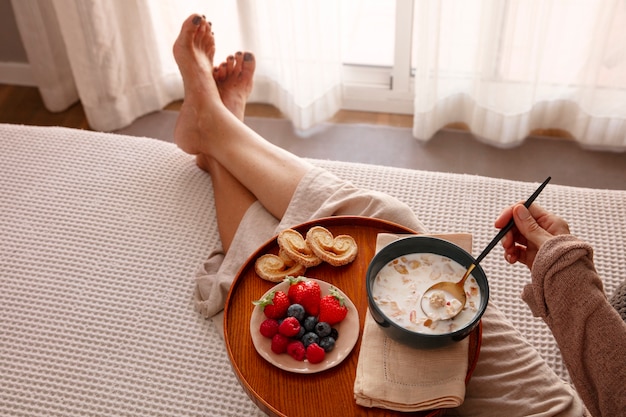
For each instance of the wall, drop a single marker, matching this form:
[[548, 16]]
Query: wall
[[14, 68]]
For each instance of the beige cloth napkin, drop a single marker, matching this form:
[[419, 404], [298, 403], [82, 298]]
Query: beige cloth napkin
[[395, 376]]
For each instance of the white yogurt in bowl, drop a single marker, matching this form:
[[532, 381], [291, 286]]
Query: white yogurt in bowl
[[400, 285], [400, 273]]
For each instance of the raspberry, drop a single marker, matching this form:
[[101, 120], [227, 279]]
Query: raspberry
[[279, 343], [314, 353], [289, 327], [296, 350], [269, 328]]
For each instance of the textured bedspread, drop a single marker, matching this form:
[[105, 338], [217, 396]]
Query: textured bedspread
[[100, 236]]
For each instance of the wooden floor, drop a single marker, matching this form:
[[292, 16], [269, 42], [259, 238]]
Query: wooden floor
[[568, 162], [23, 105]]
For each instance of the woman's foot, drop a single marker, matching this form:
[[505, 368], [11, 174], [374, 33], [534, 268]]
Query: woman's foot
[[234, 79], [202, 107]]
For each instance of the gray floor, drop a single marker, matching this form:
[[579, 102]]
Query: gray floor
[[448, 151]]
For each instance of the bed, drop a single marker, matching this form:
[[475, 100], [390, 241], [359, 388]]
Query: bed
[[100, 237]]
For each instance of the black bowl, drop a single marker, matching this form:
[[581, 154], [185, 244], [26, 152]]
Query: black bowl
[[424, 244]]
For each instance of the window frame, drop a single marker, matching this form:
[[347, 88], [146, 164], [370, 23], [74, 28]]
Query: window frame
[[380, 88]]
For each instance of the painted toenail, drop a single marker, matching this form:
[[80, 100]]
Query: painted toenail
[[196, 20], [248, 56]]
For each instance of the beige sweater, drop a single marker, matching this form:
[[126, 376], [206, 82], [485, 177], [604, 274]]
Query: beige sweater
[[567, 293]]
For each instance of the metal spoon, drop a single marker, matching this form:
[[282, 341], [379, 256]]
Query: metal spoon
[[457, 289]]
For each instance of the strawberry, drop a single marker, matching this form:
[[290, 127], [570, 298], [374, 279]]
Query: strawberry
[[332, 308], [269, 328], [306, 293], [274, 305], [314, 353]]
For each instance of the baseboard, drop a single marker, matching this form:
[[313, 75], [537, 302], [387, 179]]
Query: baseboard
[[16, 73]]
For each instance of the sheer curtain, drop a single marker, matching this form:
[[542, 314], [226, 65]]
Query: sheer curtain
[[115, 56], [298, 50], [112, 55], [505, 68], [502, 67]]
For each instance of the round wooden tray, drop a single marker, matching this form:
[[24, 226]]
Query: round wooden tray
[[282, 393]]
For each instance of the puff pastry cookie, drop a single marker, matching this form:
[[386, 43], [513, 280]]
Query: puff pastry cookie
[[294, 246], [336, 250], [275, 268]]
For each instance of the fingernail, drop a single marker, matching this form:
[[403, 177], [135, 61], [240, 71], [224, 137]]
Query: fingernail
[[248, 56], [522, 212], [196, 20]]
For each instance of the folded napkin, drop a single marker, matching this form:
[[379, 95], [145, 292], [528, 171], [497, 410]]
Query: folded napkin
[[395, 376]]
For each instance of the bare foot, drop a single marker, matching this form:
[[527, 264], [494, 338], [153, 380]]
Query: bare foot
[[193, 51], [234, 79]]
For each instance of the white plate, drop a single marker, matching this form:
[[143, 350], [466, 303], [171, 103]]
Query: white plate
[[348, 330]]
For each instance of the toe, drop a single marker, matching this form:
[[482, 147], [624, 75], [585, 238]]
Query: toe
[[190, 25], [230, 64], [222, 72], [238, 62], [248, 65], [204, 40], [188, 29]]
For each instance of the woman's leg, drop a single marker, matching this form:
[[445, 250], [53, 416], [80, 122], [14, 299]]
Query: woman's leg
[[234, 79], [207, 127]]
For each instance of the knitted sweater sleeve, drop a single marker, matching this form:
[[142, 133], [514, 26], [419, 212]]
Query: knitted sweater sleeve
[[567, 293]]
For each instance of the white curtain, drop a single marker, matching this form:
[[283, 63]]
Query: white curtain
[[506, 68], [502, 67], [116, 55], [298, 50]]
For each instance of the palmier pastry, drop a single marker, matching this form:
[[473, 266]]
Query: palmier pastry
[[275, 268], [337, 251], [293, 245]]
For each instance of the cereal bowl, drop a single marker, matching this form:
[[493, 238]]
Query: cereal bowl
[[399, 275]]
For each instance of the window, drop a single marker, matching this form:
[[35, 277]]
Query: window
[[376, 49]]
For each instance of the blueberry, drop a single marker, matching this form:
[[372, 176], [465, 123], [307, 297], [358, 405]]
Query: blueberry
[[309, 323], [309, 338], [322, 329], [297, 311], [301, 333], [334, 334], [327, 343]]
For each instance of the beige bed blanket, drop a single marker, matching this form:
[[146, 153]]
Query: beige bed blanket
[[100, 236]]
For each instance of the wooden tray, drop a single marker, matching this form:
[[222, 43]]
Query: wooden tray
[[282, 393]]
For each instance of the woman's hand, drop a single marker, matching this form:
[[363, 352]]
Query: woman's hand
[[533, 227]]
